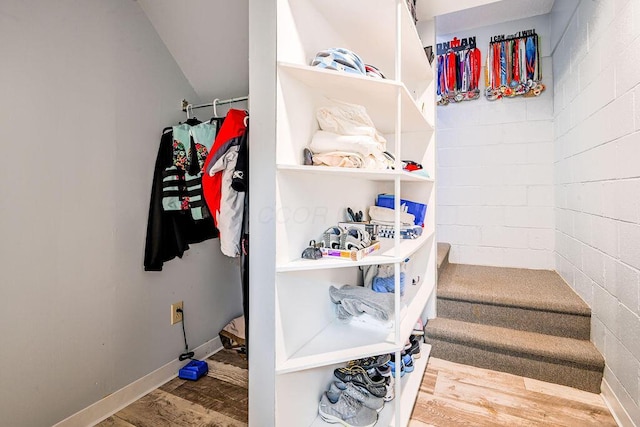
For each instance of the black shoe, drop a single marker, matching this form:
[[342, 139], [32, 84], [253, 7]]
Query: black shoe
[[414, 351], [371, 362], [358, 376]]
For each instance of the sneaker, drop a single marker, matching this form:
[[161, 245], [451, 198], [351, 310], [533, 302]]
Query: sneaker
[[371, 362], [414, 351], [384, 370], [392, 365], [407, 361], [358, 393], [347, 411], [391, 388], [331, 237], [418, 329], [358, 375], [355, 238]]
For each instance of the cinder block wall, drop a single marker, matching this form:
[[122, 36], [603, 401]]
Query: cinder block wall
[[597, 168], [495, 169]]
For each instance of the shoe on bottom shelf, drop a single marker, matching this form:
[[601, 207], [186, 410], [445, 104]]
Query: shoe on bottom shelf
[[359, 393], [358, 375], [392, 365], [346, 410], [407, 361], [416, 343]]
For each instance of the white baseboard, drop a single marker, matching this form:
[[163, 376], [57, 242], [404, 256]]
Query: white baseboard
[[114, 402], [617, 410]]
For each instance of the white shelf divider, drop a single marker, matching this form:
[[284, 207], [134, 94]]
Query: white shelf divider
[[386, 255], [370, 174]]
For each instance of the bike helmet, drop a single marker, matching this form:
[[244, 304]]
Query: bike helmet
[[339, 59], [373, 72]]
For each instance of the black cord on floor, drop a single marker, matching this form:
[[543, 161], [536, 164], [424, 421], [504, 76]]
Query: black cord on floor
[[187, 354]]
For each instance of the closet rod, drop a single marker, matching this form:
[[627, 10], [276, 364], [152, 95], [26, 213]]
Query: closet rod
[[185, 103]]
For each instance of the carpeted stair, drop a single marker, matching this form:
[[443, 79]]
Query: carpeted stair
[[525, 322]]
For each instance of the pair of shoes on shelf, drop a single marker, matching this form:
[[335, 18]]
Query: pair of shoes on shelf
[[406, 364], [352, 238], [358, 393], [374, 383], [415, 343], [370, 362], [343, 409]]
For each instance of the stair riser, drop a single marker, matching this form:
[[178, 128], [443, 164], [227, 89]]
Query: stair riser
[[558, 372], [543, 322], [443, 264]]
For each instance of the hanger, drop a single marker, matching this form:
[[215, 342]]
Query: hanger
[[191, 121]]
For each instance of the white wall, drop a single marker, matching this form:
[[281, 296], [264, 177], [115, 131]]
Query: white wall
[[495, 169], [87, 87], [597, 178]]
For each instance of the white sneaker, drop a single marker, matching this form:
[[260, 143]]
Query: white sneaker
[[347, 411]]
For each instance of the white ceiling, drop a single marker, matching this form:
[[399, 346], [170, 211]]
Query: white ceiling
[[482, 13], [209, 40]]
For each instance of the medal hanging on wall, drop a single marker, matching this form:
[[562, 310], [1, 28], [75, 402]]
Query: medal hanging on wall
[[513, 66], [458, 66]]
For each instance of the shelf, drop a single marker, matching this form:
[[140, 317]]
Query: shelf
[[360, 22], [370, 174], [338, 342], [377, 94], [386, 255], [410, 385], [341, 342]]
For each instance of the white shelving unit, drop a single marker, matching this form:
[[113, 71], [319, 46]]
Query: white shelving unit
[[308, 341]]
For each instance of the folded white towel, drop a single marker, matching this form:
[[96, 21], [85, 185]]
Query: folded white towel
[[323, 142], [386, 215]]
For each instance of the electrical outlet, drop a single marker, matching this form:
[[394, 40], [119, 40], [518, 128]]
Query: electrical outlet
[[176, 316]]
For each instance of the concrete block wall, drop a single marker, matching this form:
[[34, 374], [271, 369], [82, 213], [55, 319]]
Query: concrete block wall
[[596, 67], [495, 169]]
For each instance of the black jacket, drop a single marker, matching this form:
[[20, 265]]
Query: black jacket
[[170, 233]]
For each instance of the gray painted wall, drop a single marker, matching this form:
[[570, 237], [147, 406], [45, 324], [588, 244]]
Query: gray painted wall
[[597, 181], [87, 86]]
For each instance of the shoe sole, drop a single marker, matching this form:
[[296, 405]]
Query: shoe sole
[[332, 419]]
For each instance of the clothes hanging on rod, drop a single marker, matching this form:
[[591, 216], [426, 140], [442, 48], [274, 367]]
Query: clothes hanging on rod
[[225, 203], [178, 215]]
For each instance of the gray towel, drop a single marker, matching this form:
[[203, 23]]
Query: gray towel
[[355, 300]]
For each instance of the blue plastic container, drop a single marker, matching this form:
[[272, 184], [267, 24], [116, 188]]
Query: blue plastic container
[[193, 370], [418, 210]]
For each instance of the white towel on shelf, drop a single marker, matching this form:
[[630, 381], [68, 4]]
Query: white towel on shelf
[[369, 322], [381, 215], [348, 119], [323, 142]]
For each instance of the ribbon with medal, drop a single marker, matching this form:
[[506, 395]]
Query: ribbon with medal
[[458, 67], [513, 66]]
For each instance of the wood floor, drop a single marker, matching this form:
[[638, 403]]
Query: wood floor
[[450, 395]]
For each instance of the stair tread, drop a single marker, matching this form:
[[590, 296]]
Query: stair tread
[[532, 289], [581, 352]]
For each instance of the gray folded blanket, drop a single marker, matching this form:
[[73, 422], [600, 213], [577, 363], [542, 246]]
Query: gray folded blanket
[[355, 300]]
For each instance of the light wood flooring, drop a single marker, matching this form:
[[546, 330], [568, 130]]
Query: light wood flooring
[[450, 395]]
